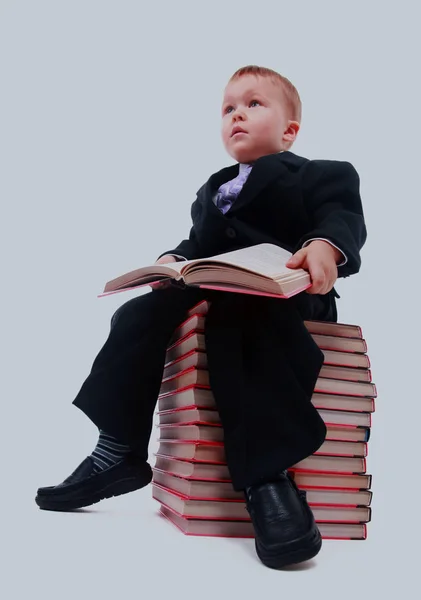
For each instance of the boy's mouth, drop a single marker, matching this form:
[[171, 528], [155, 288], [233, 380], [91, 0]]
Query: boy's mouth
[[237, 130]]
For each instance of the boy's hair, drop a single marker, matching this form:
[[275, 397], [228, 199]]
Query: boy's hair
[[291, 96]]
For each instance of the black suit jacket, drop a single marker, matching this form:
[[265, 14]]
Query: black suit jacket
[[263, 364], [286, 200]]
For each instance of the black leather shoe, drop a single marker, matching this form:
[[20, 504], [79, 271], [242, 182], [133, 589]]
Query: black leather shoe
[[285, 530], [85, 487]]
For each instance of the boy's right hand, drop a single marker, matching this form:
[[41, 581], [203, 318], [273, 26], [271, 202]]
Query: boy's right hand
[[159, 285], [167, 258]]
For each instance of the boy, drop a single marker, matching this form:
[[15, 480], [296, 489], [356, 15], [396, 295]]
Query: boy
[[263, 363]]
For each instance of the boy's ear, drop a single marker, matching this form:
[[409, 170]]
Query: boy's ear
[[290, 134]]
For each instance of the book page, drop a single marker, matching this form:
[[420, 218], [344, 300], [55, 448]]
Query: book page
[[263, 259], [144, 275], [176, 266]]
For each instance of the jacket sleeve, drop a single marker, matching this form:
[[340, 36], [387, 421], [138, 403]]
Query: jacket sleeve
[[188, 248], [332, 197]]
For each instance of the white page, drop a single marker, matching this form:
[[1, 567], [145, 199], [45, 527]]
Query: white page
[[262, 259]]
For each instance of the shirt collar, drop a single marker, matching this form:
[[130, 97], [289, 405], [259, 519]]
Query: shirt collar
[[246, 166]]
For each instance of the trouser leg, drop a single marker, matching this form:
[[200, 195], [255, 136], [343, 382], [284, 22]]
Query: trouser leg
[[263, 368], [121, 391]]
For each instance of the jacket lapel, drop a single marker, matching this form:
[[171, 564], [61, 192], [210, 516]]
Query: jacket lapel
[[265, 170]]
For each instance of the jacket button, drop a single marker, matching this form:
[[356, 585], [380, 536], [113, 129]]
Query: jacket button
[[231, 233]]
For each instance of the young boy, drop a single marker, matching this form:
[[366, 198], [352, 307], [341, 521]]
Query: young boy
[[263, 363]]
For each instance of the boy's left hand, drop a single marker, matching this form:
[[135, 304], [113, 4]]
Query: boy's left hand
[[320, 259]]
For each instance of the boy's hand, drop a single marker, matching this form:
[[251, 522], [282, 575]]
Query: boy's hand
[[159, 285], [167, 258], [320, 259]]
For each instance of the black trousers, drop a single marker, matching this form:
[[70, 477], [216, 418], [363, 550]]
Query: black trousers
[[120, 393]]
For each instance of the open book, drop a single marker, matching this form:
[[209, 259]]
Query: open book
[[257, 270]]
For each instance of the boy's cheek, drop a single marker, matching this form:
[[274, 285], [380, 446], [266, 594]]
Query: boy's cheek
[[225, 134]]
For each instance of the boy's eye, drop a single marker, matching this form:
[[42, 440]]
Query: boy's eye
[[228, 109]]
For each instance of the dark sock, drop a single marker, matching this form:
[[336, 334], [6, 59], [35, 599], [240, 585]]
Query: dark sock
[[108, 451]]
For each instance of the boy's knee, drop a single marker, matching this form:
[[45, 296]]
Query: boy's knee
[[116, 316], [126, 309]]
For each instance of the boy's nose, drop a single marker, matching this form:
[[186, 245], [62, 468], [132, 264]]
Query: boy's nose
[[238, 115]]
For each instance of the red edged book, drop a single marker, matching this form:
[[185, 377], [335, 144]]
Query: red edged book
[[195, 415], [213, 452], [346, 441], [195, 321], [199, 360], [209, 434], [216, 490], [352, 406], [244, 529], [258, 270], [200, 378], [307, 479], [327, 335], [196, 341], [236, 509], [323, 327]]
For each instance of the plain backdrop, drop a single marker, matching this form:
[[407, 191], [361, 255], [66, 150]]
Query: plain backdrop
[[110, 116]]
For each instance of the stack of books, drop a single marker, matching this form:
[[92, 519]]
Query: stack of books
[[191, 478]]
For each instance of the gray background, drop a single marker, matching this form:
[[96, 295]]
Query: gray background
[[109, 125]]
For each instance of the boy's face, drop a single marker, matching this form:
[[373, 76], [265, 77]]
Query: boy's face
[[254, 104]]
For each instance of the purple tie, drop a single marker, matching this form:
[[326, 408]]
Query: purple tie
[[229, 191]]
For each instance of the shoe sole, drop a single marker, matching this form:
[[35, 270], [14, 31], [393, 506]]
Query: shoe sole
[[116, 488], [311, 545]]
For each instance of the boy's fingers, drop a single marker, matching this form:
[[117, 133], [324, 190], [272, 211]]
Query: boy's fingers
[[159, 285], [330, 280], [318, 280], [297, 259]]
